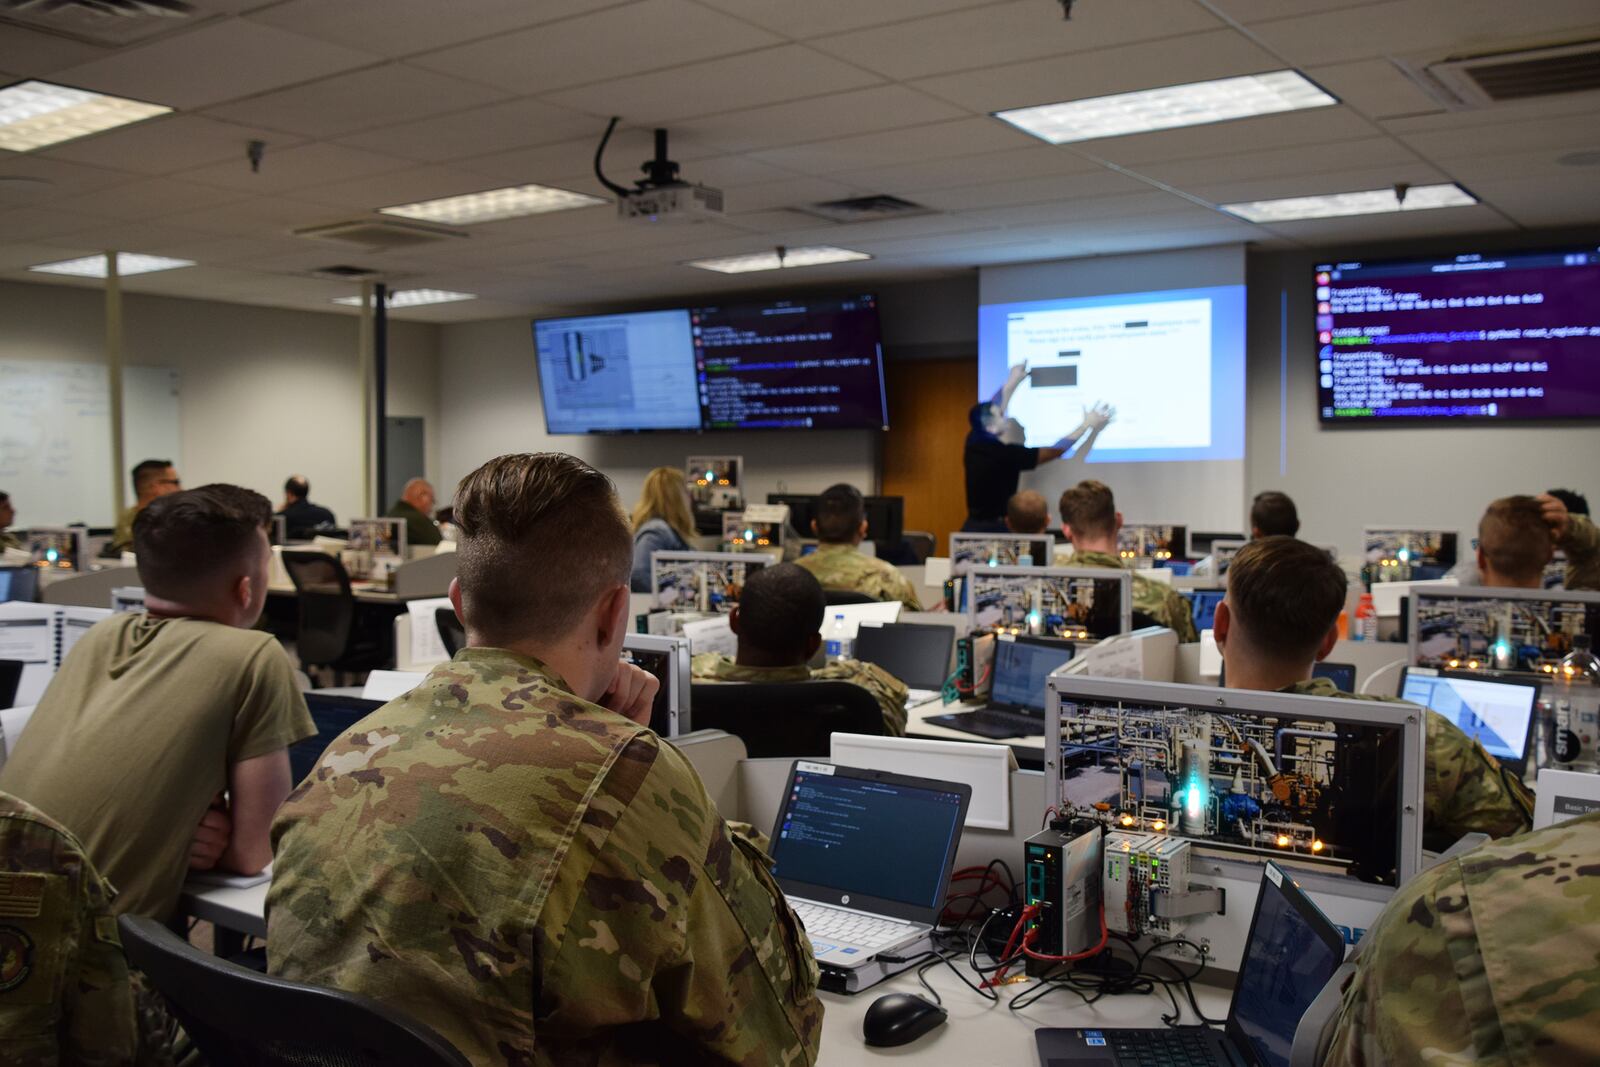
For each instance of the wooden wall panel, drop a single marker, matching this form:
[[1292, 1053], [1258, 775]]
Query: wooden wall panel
[[921, 454]]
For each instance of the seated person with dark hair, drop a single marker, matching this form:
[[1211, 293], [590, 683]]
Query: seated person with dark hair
[[1575, 534], [841, 525], [8, 515], [162, 743], [1027, 512], [152, 479], [1281, 616], [302, 520], [1273, 514], [1090, 519], [778, 621]]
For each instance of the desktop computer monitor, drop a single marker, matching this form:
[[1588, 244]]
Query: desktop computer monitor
[[885, 516], [19, 583]]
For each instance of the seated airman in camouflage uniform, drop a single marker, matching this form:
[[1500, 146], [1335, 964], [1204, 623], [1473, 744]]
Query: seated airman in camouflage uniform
[[1518, 536], [508, 853], [778, 619], [840, 526], [1487, 959], [1091, 520], [1281, 616]]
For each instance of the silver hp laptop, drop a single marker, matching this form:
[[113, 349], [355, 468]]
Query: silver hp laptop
[[864, 858], [1291, 953]]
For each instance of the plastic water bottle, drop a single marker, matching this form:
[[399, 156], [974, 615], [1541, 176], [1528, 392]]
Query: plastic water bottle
[[839, 644], [1366, 628]]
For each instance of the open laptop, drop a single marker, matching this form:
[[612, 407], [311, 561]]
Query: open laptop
[[864, 858], [1290, 954], [1495, 712], [1016, 696], [917, 654]]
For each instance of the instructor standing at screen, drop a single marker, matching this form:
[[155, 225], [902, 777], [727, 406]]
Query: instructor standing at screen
[[995, 466]]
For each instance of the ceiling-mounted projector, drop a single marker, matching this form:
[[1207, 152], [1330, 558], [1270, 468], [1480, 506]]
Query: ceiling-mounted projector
[[659, 196]]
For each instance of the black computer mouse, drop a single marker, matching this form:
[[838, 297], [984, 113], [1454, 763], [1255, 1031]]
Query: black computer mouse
[[900, 1018]]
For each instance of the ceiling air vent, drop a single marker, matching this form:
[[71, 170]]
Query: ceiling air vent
[[106, 22], [1505, 77], [344, 273], [865, 209], [380, 234]]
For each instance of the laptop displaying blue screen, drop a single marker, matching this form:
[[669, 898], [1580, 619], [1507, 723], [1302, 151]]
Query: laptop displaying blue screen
[[1020, 669], [1205, 603], [1494, 712]]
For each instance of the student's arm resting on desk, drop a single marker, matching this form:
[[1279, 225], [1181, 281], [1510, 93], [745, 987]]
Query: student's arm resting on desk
[[256, 788], [660, 913]]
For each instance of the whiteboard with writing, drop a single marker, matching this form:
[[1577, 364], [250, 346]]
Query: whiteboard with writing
[[55, 436]]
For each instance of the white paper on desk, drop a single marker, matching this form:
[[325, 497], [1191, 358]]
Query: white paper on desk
[[1115, 657], [387, 685], [711, 635], [1210, 655], [28, 632], [856, 614], [427, 647], [935, 571], [214, 879], [75, 622]]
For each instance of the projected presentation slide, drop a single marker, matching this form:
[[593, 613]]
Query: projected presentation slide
[[1170, 362], [618, 373]]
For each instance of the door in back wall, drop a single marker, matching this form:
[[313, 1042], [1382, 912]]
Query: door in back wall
[[928, 404]]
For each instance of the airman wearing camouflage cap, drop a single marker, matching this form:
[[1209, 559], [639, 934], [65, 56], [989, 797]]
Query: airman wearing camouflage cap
[[508, 854], [1090, 518]]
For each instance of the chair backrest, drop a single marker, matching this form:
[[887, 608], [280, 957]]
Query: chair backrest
[[785, 718], [835, 597], [920, 544], [451, 631], [238, 1017], [326, 606]]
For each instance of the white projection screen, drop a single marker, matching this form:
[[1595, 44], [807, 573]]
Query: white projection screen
[[1161, 337]]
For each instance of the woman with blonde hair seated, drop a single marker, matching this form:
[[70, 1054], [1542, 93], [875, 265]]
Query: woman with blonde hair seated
[[662, 521]]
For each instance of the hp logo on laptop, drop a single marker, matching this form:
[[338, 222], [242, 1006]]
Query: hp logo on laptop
[[845, 899]]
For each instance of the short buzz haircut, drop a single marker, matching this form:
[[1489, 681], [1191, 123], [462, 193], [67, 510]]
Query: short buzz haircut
[[840, 510], [148, 471], [1286, 595], [1027, 512], [297, 487], [1273, 514], [541, 538], [779, 609], [188, 541], [1515, 540], [1089, 509]]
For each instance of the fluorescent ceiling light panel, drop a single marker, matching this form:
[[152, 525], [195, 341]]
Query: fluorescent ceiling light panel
[[792, 257], [411, 298], [35, 114], [127, 263], [509, 203], [1169, 107], [1335, 205]]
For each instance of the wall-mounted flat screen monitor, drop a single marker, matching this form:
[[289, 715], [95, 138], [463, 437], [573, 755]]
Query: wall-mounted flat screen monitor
[[1476, 336], [812, 363]]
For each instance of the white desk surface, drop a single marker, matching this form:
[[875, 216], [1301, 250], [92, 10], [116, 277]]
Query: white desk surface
[[978, 1033], [917, 726]]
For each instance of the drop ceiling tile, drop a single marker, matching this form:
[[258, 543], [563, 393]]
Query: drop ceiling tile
[[16, 256], [1440, 27], [1374, 87], [148, 198], [1510, 138], [790, 192], [478, 131], [263, 216], [361, 100], [1277, 162], [1051, 189], [883, 107], [1538, 108], [1324, 125], [216, 62], [41, 224], [135, 236], [28, 53], [1125, 68], [1010, 33], [940, 140], [168, 144], [1545, 163], [1031, 162], [1547, 200], [403, 27], [817, 17], [1257, 10], [613, 43], [318, 163], [64, 179], [770, 76], [1393, 227], [398, 187], [1131, 205], [628, 148], [1353, 179]]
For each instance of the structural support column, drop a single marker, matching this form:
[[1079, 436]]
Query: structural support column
[[114, 382], [369, 437], [380, 388]]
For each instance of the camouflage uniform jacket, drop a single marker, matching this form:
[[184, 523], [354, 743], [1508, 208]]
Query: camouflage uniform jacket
[[1582, 546], [65, 997], [1160, 601], [886, 689], [843, 567], [540, 880], [1487, 960], [1466, 789]]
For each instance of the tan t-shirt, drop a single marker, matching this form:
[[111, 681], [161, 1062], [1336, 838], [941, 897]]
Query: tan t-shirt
[[134, 737]]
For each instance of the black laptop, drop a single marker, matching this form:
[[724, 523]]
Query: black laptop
[[1017, 695], [1290, 955], [917, 654]]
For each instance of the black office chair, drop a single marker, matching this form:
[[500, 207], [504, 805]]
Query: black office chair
[[451, 631], [919, 544], [240, 1018], [785, 718], [332, 715], [10, 680], [836, 597], [331, 634]]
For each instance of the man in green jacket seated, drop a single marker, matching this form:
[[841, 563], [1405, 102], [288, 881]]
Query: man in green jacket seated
[[416, 507]]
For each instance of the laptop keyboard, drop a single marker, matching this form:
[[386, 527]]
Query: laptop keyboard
[[990, 722], [1162, 1048], [849, 927]]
